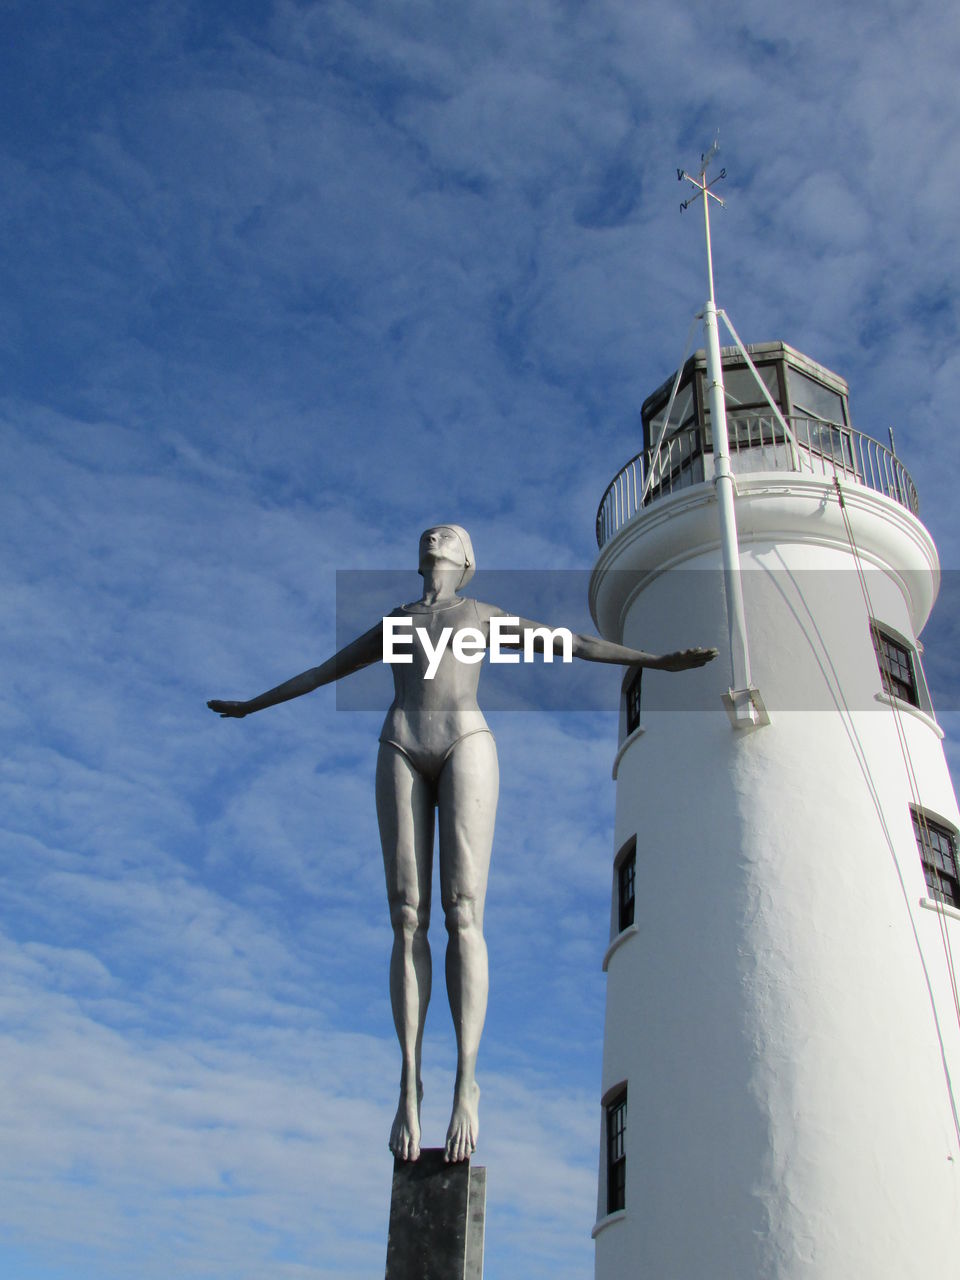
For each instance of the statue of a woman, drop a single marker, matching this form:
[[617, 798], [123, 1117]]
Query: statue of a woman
[[436, 753]]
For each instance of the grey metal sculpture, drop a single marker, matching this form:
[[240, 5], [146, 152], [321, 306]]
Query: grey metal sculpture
[[437, 753]]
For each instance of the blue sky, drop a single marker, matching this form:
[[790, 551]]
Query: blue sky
[[280, 285]]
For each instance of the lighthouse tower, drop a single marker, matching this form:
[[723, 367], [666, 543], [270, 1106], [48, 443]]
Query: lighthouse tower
[[781, 1067]]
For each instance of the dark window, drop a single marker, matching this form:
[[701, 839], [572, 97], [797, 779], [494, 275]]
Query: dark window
[[895, 661], [938, 853], [617, 1152], [632, 699], [626, 880]]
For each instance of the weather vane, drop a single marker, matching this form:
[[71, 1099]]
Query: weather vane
[[700, 182], [703, 189]]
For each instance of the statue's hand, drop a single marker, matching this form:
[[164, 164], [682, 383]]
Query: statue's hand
[[685, 659], [228, 710]]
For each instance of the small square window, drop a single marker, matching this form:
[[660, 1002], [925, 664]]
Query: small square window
[[632, 701], [896, 662], [626, 886], [617, 1152], [938, 853]]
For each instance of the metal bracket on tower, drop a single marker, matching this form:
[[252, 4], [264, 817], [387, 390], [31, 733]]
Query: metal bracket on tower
[[745, 708]]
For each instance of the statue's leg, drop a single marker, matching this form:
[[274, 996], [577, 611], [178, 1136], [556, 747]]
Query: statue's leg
[[405, 811], [467, 798]]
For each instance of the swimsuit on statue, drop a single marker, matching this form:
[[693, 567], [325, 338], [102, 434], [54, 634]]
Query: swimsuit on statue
[[428, 718]]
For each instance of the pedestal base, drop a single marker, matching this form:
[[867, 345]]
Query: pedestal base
[[436, 1219]]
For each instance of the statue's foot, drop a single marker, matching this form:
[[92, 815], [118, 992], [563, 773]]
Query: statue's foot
[[405, 1134], [464, 1124]]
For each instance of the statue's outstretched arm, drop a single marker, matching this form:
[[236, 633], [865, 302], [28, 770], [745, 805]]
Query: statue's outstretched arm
[[359, 653], [594, 649]]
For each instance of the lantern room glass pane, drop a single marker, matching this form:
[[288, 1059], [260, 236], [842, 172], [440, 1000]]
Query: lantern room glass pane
[[811, 399], [681, 415], [741, 388]]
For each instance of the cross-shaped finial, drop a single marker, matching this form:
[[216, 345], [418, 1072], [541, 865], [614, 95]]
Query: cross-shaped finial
[[700, 182]]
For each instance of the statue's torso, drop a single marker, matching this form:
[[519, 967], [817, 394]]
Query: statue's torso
[[429, 717]]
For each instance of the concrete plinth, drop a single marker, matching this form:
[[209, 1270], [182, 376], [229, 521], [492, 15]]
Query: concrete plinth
[[436, 1220]]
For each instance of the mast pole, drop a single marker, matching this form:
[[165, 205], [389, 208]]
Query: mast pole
[[743, 701]]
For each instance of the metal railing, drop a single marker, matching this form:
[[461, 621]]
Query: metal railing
[[757, 443]]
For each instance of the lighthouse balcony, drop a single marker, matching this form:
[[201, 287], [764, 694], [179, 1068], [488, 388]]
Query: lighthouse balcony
[[785, 412], [758, 443]]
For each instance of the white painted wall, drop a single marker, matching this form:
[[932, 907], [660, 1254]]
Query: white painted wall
[[782, 1013]]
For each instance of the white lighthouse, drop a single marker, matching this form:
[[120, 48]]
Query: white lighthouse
[[781, 1065]]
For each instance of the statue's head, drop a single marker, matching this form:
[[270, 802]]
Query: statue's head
[[448, 545]]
